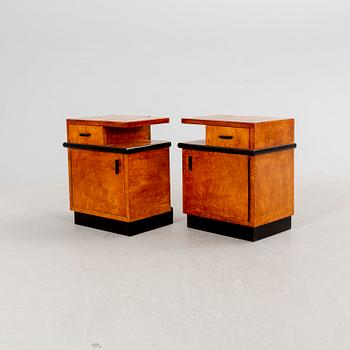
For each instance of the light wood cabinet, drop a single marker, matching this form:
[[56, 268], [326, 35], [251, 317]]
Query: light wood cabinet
[[240, 181], [119, 178]]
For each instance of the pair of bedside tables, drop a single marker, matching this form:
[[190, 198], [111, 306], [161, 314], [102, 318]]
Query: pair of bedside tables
[[238, 182]]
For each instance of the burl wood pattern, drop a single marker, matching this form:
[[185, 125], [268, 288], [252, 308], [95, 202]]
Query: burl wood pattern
[[119, 121], [217, 185], [263, 132], [141, 188], [95, 187], [272, 187], [99, 135], [215, 136], [231, 120], [271, 134], [247, 190], [148, 184]]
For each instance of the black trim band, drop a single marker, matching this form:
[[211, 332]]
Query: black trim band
[[239, 231], [111, 149], [122, 227], [203, 147]]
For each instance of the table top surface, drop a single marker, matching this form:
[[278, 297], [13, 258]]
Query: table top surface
[[121, 121], [231, 120]]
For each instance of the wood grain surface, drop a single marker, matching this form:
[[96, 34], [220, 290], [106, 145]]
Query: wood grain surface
[[120, 121], [262, 132], [271, 134], [230, 120], [86, 134], [246, 190], [115, 135], [140, 189], [148, 184], [227, 137], [96, 188], [272, 186], [141, 186], [217, 185]]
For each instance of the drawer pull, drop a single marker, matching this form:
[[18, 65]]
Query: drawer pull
[[225, 137], [190, 163], [85, 134], [116, 167]]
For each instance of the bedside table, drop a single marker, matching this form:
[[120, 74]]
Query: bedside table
[[239, 182], [118, 177]]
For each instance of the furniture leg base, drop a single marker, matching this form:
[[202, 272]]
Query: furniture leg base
[[239, 231], [122, 227]]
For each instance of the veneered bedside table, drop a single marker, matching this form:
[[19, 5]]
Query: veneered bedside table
[[118, 177], [239, 182]]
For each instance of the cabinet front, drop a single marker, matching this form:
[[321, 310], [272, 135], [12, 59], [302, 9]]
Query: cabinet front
[[216, 185], [97, 183]]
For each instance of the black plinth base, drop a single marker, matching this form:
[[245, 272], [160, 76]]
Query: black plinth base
[[122, 227], [238, 231]]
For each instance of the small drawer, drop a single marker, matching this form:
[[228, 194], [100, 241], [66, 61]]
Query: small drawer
[[227, 137], [86, 134]]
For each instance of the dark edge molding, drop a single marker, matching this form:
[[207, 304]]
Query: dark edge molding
[[247, 152], [121, 227], [112, 149], [247, 233]]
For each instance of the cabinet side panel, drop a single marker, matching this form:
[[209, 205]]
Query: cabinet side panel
[[148, 183], [273, 134], [273, 186]]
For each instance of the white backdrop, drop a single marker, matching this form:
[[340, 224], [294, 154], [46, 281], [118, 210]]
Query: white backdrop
[[63, 286], [176, 58]]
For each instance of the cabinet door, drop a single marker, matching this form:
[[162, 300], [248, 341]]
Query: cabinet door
[[97, 183], [215, 185]]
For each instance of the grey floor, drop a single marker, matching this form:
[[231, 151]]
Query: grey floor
[[67, 287]]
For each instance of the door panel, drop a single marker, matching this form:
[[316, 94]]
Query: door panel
[[216, 186], [97, 182]]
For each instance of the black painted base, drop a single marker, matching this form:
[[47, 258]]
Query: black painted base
[[122, 227], [238, 231]]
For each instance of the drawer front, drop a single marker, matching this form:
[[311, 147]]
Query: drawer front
[[86, 134], [227, 137]]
